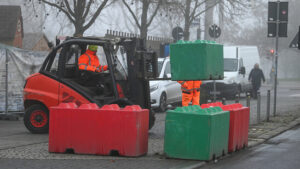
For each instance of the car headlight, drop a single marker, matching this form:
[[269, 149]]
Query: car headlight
[[153, 88]]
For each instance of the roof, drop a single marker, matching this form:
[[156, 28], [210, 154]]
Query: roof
[[8, 23], [31, 39]]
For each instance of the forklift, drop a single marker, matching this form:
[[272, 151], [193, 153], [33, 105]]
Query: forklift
[[130, 66]]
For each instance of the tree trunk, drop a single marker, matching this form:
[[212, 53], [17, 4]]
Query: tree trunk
[[78, 31], [209, 15], [221, 20], [186, 31], [144, 26]]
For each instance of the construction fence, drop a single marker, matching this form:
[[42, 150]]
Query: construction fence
[[153, 43], [15, 66]]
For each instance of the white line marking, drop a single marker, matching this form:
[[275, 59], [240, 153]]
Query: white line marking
[[295, 95]]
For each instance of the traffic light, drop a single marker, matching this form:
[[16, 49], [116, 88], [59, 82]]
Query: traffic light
[[272, 19], [272, 51]]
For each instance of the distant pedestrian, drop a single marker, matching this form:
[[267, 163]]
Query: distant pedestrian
[[256, 75]]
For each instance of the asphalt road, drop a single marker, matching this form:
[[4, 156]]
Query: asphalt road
[[281, 152], [21, 149]]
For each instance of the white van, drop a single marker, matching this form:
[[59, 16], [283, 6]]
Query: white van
[[238, 62]]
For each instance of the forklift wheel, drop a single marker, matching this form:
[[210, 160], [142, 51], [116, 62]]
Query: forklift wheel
[[151, 118], [36, 119]]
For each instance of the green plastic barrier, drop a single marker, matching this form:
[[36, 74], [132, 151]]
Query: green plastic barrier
[[195, 133], [198, 60]]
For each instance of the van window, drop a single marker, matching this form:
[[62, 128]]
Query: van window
[[167, 69], [159, 66], [230, 65]]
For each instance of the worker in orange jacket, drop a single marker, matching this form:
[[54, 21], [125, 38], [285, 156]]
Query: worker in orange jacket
[[190, 92], [89, 60], [89, 68]]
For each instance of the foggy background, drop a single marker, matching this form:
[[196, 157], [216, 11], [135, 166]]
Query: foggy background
[[247, 26]]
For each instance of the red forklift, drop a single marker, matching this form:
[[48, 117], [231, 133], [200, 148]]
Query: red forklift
[[130, 66]]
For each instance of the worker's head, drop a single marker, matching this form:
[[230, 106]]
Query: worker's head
[[256, 66], [93, 48]]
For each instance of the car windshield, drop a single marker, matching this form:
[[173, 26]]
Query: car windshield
[[230, 65], [159, 66]]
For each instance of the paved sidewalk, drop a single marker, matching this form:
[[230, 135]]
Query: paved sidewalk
[[263, 131]]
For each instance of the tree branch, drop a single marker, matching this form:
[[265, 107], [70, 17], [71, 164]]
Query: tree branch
[[132, 14], [95, 15], [154, 14], [68, 7], [87, 9], [60, 8], [198, 14]]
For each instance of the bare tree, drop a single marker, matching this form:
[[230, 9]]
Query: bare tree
[[81, 13], [191, 10], [147, 15]]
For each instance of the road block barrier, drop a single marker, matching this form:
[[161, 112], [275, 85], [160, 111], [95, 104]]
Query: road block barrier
[[195, 133], [239, 124], [208, 105], [197, 60], [89, 129]]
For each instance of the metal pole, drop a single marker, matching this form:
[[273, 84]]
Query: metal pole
[[248, 100], [276, 58], [6, 82], [215, 89], [258, 106], [224, 101], [268, 105]]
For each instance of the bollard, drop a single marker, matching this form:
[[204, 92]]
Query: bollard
[[248, 99], [268, 105], [258, 106], [224, 101], [237, 98]]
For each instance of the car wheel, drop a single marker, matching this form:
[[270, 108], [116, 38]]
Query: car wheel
[[163, 102], [36, 119]]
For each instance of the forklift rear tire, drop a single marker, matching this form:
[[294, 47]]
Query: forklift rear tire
[[36, 119]]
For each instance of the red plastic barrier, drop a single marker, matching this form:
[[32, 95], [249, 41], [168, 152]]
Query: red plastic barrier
[[208, 105], [239, 124], [90, 130]]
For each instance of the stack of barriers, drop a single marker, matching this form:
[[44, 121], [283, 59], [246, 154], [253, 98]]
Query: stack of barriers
[[239, 124], [195, 133]]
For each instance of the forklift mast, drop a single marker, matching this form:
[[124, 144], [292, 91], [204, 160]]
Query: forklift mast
[[142, 66]]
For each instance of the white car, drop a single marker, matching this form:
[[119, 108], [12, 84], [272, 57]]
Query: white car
[[164, 92]]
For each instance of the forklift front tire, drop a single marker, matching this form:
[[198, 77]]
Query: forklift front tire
[[36, 119]]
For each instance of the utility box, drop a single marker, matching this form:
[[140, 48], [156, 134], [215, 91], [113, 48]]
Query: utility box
[[198, 60], [195, 133]]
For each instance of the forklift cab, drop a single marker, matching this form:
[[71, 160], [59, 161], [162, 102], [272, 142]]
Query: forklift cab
[[126, 82]]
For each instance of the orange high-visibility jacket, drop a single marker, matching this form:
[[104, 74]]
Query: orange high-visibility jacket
[[89, 61], [190, 92], [190, 86]]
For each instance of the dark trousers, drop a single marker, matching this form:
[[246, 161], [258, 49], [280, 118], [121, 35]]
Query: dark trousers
[[255, 88]]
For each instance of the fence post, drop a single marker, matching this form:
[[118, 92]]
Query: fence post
[[258, 106], [268, 105], [224, 101], [6, 82], [248, 99]]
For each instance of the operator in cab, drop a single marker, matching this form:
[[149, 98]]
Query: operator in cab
[[89, 60], [89, 68], [190, 92]]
